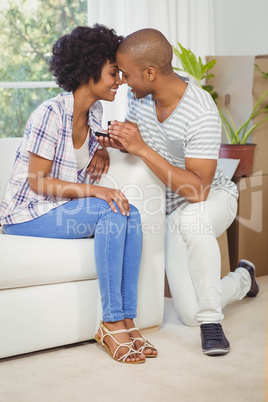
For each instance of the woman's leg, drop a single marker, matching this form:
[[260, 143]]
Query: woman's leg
[[117, 243], [131, 269], [119, 255], [117, 251], [122, 248], [131, 263]]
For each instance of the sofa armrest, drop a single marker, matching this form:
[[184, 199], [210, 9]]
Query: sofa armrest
[[42, 296], [142, 188]]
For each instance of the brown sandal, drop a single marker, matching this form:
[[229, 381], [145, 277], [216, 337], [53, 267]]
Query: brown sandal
[[105, 332], [146, 343]]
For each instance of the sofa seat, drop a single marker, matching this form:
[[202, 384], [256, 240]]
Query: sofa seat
[[49, 290], [73, 260]]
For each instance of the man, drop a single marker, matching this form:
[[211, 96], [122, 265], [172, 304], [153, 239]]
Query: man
[[175, 128]]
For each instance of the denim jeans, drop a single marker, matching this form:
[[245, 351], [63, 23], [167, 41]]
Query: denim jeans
[[117, 243]]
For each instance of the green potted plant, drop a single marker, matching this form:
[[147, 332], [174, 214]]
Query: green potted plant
[[195, 68], [237, 137]]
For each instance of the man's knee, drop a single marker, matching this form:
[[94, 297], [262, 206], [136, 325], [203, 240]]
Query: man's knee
[[196, 220], [188, 320]]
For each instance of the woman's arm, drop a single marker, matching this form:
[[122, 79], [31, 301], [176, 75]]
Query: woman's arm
[[41, 182], [99, 165]]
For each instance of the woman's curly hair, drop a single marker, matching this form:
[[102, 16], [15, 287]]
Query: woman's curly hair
[[80, 55]]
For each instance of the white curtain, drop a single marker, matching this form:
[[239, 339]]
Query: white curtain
[[190, 22]]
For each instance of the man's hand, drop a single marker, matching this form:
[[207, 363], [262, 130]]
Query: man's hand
[[109, 142], [128, 135], [99, 165]]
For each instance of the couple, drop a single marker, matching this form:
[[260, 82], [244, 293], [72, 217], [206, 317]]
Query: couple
[[174, 127]]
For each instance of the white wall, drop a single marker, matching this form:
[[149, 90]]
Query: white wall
[[187, 21], [241, 27], [207, 27], [221, 27]]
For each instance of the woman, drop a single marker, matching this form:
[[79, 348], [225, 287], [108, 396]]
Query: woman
[[48, 187]]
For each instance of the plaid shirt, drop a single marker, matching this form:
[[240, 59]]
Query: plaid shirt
[[48, 133]]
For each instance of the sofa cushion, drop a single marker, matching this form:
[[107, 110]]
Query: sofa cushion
[[28, 261]]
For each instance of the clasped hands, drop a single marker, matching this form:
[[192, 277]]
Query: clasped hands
[[123, 135]]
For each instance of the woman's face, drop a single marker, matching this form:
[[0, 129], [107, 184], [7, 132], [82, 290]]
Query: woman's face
[[106, 87]]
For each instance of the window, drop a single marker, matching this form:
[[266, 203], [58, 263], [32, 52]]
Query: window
[[28, 31]]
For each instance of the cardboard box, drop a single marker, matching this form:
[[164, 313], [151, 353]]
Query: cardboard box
[[248, 235], [237, 81], [239, 86], [225, 260], [260, 135], [233, 82]]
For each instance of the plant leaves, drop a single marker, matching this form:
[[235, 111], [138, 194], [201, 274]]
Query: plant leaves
[[210, 90], [189, 62], [231, 135], [245, 137], [195, 68], [262, 72], [206, 67]]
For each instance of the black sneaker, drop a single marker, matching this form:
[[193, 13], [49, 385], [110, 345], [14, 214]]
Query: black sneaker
[[214, 342], [254, 290]]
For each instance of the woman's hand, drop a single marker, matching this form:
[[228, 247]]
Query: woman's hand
[[109, 195], [124, 136], [99, 165], [109, 143]]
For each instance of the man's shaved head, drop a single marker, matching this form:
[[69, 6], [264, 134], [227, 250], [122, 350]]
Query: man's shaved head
[[148, 48]]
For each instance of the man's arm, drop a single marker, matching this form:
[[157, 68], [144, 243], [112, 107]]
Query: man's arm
[[193, 183]]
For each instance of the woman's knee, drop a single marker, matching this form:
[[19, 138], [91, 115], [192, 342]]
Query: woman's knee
[[133, 209], [134, 214]]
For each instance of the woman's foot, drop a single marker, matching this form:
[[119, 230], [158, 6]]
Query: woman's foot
[[140, 344], [121, 338]]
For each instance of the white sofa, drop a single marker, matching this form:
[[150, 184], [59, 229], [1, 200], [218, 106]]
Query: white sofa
[[49, 293]]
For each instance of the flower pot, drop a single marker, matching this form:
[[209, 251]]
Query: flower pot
[[239, 151]]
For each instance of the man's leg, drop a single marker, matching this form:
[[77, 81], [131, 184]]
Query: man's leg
[[178, 275], [201, 257], [199, 225]]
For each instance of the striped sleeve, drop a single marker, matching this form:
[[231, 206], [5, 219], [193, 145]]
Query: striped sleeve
[[131, 112], [204, 137]]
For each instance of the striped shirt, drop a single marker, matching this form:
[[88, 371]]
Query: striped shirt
[[193, 130], [48, 133]]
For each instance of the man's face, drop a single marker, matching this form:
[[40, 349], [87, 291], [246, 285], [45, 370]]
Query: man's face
[[132, 76]]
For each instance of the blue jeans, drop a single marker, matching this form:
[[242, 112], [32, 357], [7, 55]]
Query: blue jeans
[[117, 242]]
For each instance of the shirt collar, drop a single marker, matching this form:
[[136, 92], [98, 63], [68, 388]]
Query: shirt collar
[[94, 113]]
